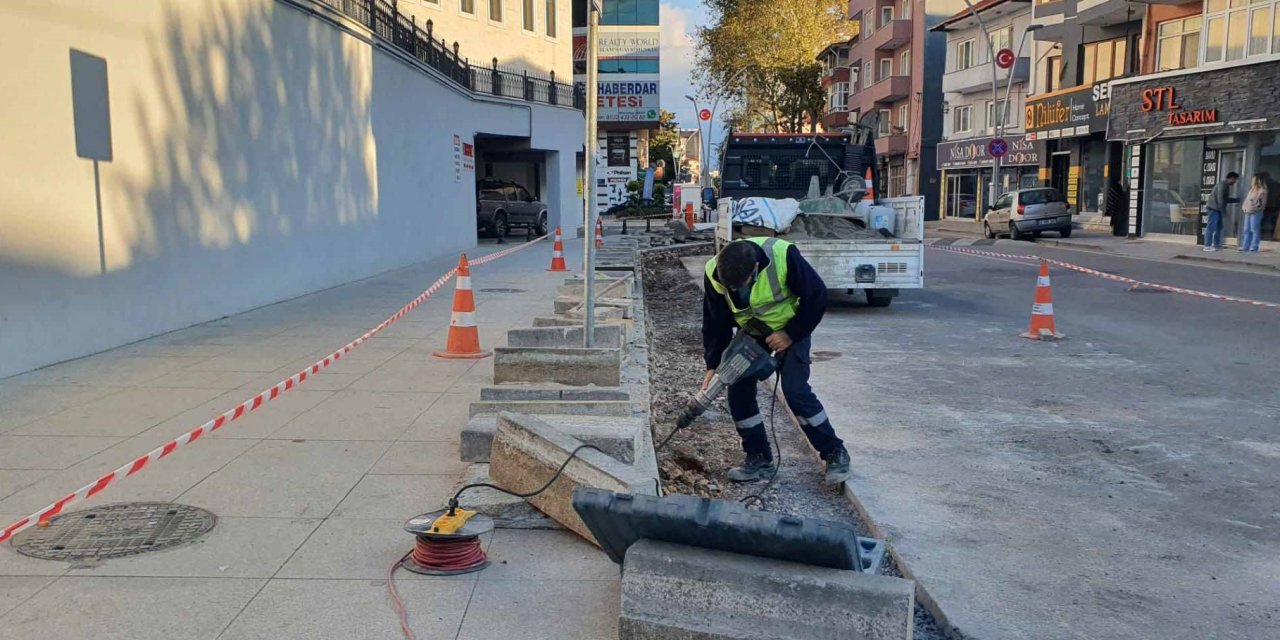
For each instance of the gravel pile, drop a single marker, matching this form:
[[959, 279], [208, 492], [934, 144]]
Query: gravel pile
[[817, 227], [695, 460]]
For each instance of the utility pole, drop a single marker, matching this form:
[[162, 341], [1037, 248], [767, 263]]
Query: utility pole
[[589, 178]]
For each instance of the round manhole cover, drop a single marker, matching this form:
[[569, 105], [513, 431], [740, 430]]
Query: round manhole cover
[[114, 531], [500, 290]]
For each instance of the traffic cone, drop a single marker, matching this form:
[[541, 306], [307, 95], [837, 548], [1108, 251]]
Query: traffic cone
[[1042, 327], [599, 232], [464, 337], [688, 214], [557, 254], [871, 186]]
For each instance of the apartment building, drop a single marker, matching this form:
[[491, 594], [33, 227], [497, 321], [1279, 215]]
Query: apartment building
[[973, 114], [520, 34], [835, 81], [1203, 104], [897, 62]]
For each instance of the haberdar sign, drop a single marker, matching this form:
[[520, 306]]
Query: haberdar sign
[[628, 97], [973, 153]]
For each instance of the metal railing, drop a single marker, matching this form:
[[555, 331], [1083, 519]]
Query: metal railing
[[421, 42]]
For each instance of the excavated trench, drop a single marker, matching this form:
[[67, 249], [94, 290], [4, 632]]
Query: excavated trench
[[695, 460]]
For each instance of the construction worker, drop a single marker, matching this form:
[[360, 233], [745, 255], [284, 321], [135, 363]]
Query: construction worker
[[767, 279]]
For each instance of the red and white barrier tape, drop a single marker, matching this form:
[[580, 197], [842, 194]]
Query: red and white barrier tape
[[1111, 276], [140, 463]]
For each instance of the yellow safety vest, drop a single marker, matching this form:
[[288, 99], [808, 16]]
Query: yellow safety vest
[[771, 301]]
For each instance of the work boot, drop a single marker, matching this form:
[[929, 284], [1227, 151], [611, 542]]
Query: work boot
[[757, 466], [837, 466]]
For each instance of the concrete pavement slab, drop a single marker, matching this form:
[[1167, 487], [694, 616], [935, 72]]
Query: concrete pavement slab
[[358, 415], [395, 497], [22, 404], [256, 425], [420, 458], [13, 481], [534, 554], [14, 590], [443, 420], [164, 480], [235, 548], [50, 452], [350, 610], [108, 369], [125, 413], [131, 608], [251, 492], [358, 549], [315, 456], [260, 358], [414, 370], [542, 610]]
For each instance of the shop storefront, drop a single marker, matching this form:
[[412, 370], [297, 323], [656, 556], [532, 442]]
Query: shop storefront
[[966, 172], [1079, 162], [1184, 132]]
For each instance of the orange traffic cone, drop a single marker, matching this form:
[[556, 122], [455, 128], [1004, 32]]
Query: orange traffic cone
[[1042, 327], [599, 232], [871, 186], [688, 214], [464, 337], [557, 254]]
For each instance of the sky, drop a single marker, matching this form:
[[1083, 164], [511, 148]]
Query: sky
[[678, 20]]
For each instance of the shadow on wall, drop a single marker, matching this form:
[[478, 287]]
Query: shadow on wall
[[262, 131]]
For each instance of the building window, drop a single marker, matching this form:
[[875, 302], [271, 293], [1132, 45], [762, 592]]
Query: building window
[[1239, 28], [838, 97], [886, 16], [1104, 60], [1052, 73], [993, 118], [904, 117], [551, 18], [468, 6], [495, 10], [1178, 44], [884, 126], [867, 77], [1002, 39], [904, 63], [886, 67], [964, 55], [527, 7], [962, 119], [629, 12], [906, 10]]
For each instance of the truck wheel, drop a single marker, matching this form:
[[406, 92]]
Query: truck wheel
[[1066, 233], [540, 229], [878, 301], [500, 228]]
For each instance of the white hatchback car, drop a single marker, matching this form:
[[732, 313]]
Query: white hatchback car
[[1028, 212]]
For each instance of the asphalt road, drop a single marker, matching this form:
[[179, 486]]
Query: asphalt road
[[1119, 484]]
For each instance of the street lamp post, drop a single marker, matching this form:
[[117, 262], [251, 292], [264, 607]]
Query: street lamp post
[[589, 180], [996, 109], [706, 142]]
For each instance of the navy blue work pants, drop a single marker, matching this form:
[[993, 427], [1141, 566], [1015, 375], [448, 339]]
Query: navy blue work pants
[[793, 365]]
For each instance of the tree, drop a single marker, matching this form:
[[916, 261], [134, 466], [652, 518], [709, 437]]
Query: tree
[[763, 54], [663, 141]]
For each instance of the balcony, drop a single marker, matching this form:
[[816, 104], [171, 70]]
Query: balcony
[[890, 89], [839, 74], [888, 37], [894, 144], [978, 77]]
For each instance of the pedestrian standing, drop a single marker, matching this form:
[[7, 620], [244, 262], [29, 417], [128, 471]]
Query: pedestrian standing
[[1254, 204], [1219, 198]]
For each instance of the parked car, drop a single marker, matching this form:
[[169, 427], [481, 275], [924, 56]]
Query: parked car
[[1028, 212], [502, 206]]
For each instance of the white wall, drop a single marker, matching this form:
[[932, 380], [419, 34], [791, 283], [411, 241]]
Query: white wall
[[259, 153], [481, 39], [982, 74]]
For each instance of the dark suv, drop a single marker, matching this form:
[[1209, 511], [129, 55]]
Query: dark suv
[[501, 205]]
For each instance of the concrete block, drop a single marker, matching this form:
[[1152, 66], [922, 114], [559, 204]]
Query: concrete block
[[605, 336], [555, 407], [673, 591], [622, 287], [579, 366], [566, 304], [521, 393], [527, 451], [602, 313], [507, 511], [615, 435], [563, 321]]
